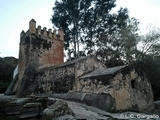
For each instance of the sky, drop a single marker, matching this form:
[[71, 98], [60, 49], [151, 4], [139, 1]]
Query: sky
[[16, 14]]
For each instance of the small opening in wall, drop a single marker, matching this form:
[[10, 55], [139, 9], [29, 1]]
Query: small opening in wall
[[133, 84]]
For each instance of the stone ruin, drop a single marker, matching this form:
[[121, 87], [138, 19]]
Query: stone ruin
[[41, 70]]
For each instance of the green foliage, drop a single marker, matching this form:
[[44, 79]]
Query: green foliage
[[91, 25], [7, 65], [82, 21], [151, 66], [118, 43]]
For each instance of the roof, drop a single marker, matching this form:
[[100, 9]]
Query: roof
[[104, 72]]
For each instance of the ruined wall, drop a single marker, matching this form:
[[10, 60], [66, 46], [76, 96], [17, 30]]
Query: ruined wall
[[56, 79], [130, 90], [84, 66], [62, 78]]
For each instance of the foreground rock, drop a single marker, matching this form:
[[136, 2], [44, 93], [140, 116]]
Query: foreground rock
[[31, 110], [59, 108], [13, 107], [102, 101], [3, 101]]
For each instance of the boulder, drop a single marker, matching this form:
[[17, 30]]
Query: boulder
[[4, 100], [13, 107], [59, 108], [102, 101], [65, 117], [31, 110]]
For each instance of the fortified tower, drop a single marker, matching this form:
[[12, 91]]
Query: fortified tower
[[39, 47]]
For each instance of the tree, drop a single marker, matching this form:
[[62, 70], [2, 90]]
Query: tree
[[67, 15], [92, 25], [82, 21], [149, 45], [118, 43], [148, 57]]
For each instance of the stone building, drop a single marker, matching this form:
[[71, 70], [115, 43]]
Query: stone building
[[41, 71], [131, 90]]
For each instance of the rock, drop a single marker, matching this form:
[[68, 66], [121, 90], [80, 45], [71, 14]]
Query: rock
[[7, 66], [27, 85], [58, 109], [65, 117], [82, 112], [157, 104], [13, 107], [103, 101], [4, 100], [31, 110]]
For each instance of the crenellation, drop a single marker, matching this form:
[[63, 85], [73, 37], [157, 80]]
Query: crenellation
[[61, 34], [39, 30], [54, 35], [44, 31], [22, 34], [50, 33], [32, 26]]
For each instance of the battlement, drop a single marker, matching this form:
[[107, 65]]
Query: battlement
[[48, 34]]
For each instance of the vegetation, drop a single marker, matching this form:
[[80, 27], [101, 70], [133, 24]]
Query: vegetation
[[92, 24], [7, 66]]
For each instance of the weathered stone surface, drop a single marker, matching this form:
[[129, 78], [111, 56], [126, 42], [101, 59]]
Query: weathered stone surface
[[87, 65], [13, 107], [157, 104], [31, 110], [11, 88], [59, 108], [64, 75], [65, 117], [102, 101], [3, 101], [130, 90], [81, 112], [67, 110], [28, 84], [50, 79]]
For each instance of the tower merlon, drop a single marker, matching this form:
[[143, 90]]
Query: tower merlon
[[32, 26], [39, 30], [45, 31], [50, 33], [61, 34], [22, 34]]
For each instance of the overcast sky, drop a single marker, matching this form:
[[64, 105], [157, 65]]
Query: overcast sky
[[16, 14]]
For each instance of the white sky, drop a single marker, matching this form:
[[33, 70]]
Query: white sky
[[16, 14]]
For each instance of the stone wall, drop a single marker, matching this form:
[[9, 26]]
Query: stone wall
[[62, 78], [130, 90], [55, 79]]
